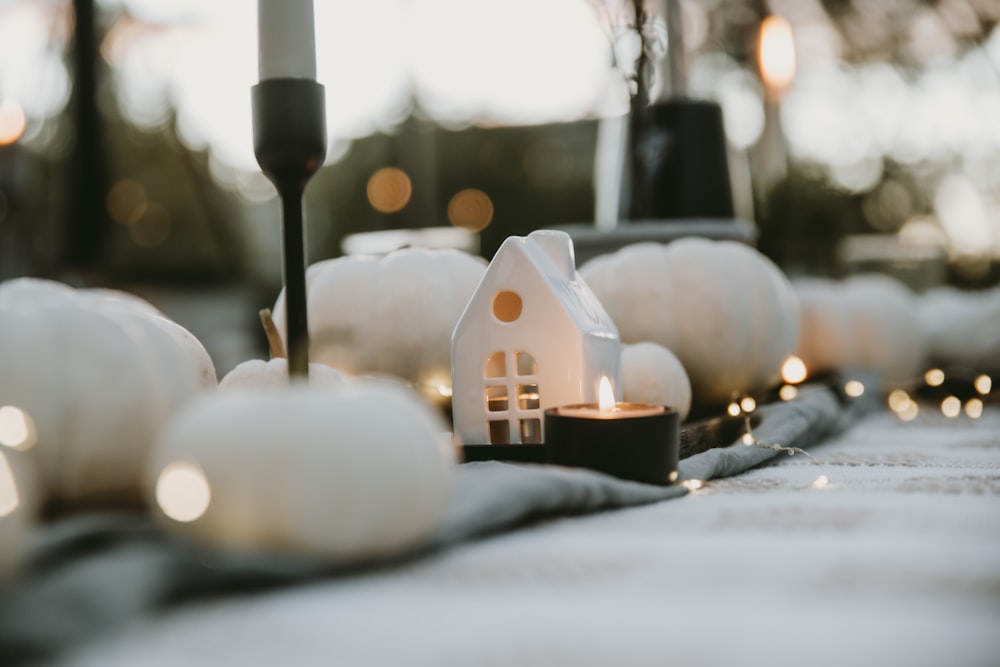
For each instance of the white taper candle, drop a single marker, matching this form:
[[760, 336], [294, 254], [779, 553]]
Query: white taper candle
[[286, 39]]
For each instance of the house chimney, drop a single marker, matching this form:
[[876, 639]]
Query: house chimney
[[558, 247]]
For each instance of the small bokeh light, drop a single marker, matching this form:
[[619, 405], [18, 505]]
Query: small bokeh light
[[389, 190], [17, 428], [951, 407], [934, 377], [820, 482], [182, 491], [12, 122], [788, 392], [470, 209], [974, 408], [854, 388], [127, 202], [899, 400], [794, 371]]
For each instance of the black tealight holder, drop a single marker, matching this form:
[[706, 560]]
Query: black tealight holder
[[640, 448], [289, 139]]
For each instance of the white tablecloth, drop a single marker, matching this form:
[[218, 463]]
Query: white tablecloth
[[895, 561]]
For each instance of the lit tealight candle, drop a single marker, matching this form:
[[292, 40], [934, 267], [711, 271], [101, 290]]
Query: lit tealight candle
[[628, 440], [608, 408]]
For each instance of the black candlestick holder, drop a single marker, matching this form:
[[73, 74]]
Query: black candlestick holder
[[289, 140]]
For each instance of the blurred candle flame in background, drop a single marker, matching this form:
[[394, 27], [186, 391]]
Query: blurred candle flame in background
[[776, 54]]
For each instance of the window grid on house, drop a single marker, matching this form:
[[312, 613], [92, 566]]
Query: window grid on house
[[513, 401]]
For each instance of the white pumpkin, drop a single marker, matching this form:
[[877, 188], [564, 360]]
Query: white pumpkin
[[962, 328], [392, 315], [650, 373], [887, 330], [254, 373], [274, 373], [18, 505], [827, 336], [96, 374], [727, 312], [341, 475], [868, 321]]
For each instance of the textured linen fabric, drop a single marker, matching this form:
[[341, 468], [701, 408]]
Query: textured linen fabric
[[91, 574], [894, 560]]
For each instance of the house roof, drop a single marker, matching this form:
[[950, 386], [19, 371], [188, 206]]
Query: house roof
[[549, 254]]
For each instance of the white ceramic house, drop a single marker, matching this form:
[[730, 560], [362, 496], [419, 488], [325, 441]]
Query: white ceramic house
[[532, 337]]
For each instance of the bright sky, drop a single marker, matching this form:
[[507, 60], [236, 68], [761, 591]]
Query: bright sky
[[511, 62], [467, 61], [519, 61]]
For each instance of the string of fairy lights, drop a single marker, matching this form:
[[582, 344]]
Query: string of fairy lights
[[953, 392], [950, 392]]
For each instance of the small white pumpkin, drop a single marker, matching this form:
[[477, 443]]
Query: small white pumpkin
[[95, 374], [341, 475], [18, 503], [653, 374], [393, 314], [727, 312], [274, 373]]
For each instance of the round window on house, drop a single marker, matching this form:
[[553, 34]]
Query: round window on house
[[507, 306]]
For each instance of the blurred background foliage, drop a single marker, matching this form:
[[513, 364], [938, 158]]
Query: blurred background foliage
[[125, 153]]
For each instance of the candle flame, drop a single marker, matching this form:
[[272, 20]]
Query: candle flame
[[605, 395], [776, 53]]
